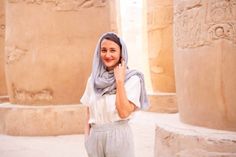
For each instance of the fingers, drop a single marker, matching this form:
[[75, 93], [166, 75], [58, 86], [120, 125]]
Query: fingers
[[123, 64], [122, 61]]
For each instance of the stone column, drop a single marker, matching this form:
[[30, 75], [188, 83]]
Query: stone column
[[49, 51], [205, 66], [160, 44], [49, 48], [3, 88], [205, 57], [160, 52]]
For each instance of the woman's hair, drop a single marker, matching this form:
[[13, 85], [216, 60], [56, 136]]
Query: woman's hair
[[113, 37]]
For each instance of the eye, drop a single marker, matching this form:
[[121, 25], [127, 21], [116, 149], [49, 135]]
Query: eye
[[113, 50], [103, 50]]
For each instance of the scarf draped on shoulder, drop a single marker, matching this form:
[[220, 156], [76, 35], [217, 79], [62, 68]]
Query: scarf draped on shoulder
[[104, 81]]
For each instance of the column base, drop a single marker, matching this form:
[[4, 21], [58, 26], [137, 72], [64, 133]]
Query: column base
[[20, 120], [163, 102], [176, 139], [4, 99]]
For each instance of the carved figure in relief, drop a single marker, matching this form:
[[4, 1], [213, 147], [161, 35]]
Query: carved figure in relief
[[65, 5], [190, 28], [24, 96], [221, 10], [224, 30], [2, 26], [221, 20], [76, 5], [14, 54], [160, 17], [199, 25]]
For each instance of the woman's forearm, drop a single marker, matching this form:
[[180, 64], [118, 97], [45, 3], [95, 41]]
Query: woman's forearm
[[123, 105]]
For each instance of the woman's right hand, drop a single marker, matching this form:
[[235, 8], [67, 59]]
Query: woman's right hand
[[120, 72]]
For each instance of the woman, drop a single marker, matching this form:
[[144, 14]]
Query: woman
[[112, 94]]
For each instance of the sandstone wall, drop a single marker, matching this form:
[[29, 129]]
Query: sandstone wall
[[205, 57], [160, 44], [176, 139], [50, 45], [3, 90]]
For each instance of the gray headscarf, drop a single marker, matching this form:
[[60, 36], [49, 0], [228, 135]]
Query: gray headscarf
[[104, 81]]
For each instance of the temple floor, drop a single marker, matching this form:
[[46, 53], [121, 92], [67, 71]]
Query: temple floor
[[144, 125]]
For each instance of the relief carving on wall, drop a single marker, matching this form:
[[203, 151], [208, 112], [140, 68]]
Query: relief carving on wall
[[198, 23], [65, 5], [2, 26], [14, 54], [159, 17], [25, 96]]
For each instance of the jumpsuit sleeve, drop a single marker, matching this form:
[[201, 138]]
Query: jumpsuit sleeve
[[87, 93]]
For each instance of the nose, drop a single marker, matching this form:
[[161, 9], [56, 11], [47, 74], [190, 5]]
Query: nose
[[108, 54]]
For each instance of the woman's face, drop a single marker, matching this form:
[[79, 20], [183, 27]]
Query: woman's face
[[110, 54]]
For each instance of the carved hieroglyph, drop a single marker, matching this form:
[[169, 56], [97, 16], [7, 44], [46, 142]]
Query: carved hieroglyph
[[160, 47], [2, 26], [14, 54], [205, 62], [199, 22], [64, 5], [35, 97]]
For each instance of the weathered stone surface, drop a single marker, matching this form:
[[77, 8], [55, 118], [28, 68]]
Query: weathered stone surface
[[160, 45], [176, 139], [4, 99], [205, 46], [19, 120], [3, 88], [49, 48], [163, 103], [203, 153]]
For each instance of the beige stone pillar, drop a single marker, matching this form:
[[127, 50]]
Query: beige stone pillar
[[176, 139], [205, 62], [3, 89], [49, 48], [160, 44], [160, 52], [205, 67]]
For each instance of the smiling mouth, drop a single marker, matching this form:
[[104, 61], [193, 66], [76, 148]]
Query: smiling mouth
[[108, 60]]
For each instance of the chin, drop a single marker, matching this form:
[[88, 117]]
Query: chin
[[110, 66]]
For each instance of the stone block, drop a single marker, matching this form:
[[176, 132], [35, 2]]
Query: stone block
[[163, 102], [203, 153], [176, 139], [19, 120], [4, 99]]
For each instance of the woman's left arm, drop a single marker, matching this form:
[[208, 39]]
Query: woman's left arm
[[123, 105]]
